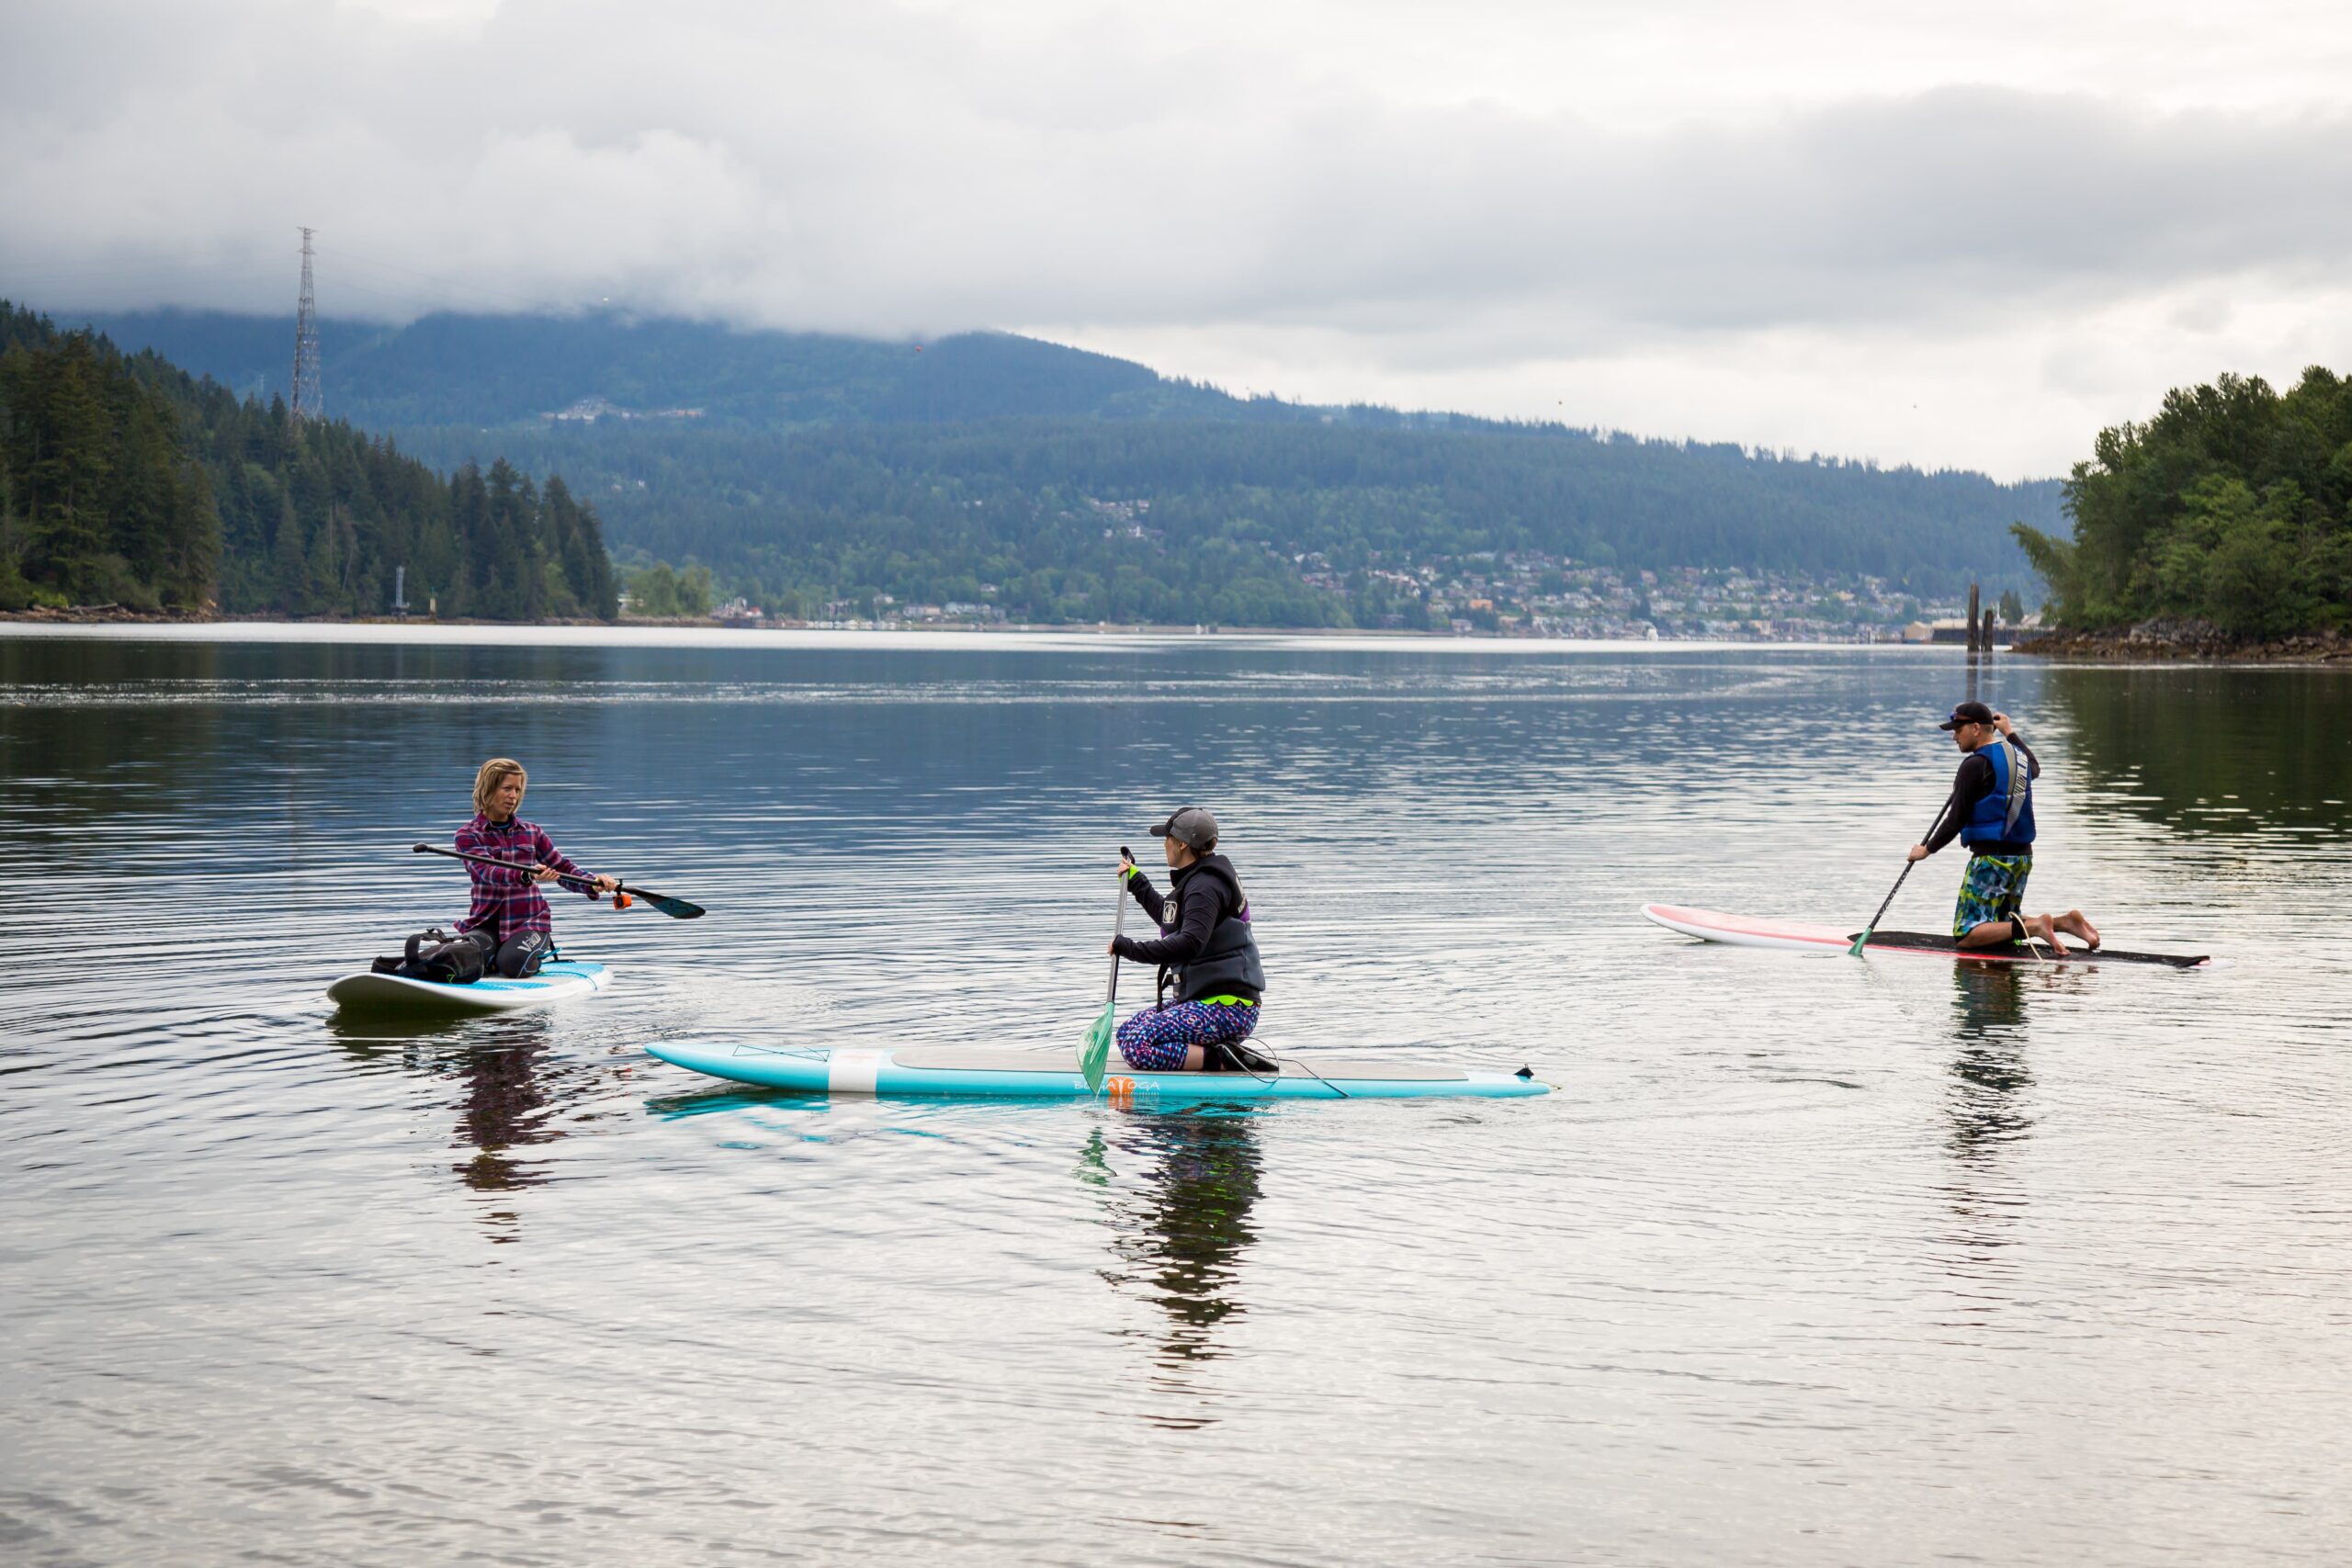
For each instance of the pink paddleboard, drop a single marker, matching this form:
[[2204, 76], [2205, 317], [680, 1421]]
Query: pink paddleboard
[[1748, 930]]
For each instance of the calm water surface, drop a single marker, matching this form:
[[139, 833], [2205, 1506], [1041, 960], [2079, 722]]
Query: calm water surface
[[1809, 1261]]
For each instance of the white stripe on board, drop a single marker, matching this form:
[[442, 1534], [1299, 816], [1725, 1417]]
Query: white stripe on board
[[852, 1072]]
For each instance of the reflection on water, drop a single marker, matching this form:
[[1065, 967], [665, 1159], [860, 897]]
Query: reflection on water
[[1987, 1105], [245, 1236], [1182, 1226], [508, 1091], [1989, 1072], [2215, 750]]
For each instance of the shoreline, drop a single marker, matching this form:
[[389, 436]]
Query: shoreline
[[2184, 642], [118, 615]]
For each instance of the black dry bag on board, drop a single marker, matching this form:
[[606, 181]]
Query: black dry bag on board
[[437, 956]]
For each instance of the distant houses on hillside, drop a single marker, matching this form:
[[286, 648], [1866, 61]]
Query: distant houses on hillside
[[588, 410]]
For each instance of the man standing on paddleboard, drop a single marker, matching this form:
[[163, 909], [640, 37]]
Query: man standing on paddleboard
[[1991, 811], [510, 917]]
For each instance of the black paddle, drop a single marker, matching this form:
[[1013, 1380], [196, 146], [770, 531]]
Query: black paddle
[[676, 909], [1856, 951]]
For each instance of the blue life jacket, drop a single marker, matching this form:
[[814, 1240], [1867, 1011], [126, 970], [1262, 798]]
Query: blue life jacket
[[2006, 814]]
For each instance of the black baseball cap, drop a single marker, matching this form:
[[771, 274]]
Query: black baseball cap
[[1967, 713], [1190, 825]]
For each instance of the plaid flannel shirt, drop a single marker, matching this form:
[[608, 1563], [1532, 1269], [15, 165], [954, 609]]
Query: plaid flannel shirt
[[507, 903]]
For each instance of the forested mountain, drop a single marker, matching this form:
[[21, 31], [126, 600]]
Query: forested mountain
[[2234, 505], [125, 479], [1207, 522], [808, 469]]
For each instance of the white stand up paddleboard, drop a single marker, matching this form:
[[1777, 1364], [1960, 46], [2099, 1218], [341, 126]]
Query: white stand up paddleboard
[[1747, 930], [559, 980]]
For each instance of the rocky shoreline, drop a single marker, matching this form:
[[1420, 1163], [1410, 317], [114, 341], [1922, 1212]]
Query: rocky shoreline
[[2198, 640]]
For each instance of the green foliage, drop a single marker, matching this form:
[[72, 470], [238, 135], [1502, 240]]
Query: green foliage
[[127, 480], [657, 593], [99, 500], [2234, 505]]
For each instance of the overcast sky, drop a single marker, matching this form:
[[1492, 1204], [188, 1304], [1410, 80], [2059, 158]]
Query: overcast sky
[[1953, 235]]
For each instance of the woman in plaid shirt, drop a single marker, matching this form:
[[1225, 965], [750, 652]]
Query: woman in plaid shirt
[[510, 917]]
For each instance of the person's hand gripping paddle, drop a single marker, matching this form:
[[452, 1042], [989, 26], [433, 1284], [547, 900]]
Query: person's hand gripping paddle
[[676, 909], [1090, 1060]]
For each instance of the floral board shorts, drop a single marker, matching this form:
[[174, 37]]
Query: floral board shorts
[[1993, 888], [1155, 1039]]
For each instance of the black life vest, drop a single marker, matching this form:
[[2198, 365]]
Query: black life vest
[[1228, 964]]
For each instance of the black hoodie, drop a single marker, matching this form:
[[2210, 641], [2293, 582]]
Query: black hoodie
[[1206, 945]]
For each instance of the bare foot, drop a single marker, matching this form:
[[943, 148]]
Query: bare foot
[[2046, 929], [2072, 920]]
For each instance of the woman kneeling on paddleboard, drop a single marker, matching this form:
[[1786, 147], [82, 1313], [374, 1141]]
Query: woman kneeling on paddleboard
[[1991, 812], [1204, 950], [510, 917]]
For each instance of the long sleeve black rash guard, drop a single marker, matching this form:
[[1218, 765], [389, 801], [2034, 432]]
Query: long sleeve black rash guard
[[1203, 900], [1972, 784]]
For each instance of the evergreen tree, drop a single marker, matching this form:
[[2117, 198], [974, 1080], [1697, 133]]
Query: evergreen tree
[[61, 452], [2233, 506], [124, 478]]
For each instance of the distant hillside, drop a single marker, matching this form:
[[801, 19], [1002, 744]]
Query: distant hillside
[[480, 371], [808, 468]]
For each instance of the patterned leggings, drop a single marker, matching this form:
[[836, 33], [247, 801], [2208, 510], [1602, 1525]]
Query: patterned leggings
[[1155, 1039]]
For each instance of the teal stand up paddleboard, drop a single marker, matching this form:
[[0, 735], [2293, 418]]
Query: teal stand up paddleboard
[[1055, 1074]]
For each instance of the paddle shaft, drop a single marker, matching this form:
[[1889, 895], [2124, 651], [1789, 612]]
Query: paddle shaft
[[1857, 949], [1119, 926], [676, 909]]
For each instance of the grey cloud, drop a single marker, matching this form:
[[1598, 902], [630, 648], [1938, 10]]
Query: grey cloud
[[865, 167]]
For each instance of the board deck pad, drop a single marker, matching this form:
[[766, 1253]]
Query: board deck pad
[[1926, 941], [1054, 1074], [1748, 930], [947, 1058]]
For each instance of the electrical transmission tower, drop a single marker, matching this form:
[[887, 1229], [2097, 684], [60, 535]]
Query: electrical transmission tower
[[306, 403]]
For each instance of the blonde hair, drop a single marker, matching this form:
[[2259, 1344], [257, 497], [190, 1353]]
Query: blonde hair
[[494, 773]]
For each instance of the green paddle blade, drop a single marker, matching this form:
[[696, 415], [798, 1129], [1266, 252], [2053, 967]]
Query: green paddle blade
[[1098, 1051]]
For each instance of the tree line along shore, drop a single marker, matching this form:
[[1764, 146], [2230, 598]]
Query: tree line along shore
[[125, 481], [2221, 527]]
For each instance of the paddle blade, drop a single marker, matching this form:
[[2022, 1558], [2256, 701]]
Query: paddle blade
[[1860, 937], [1092, 1060], [676, 909]]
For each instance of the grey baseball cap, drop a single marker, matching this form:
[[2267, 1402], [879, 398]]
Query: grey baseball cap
[[1190, 826]]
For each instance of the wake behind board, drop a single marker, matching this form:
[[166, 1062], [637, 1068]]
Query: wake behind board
[[1745, 931], [1054, 1074], [557, 980]]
